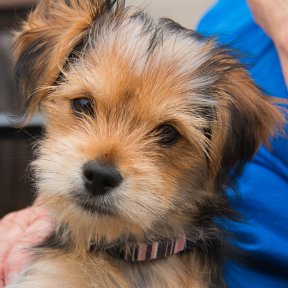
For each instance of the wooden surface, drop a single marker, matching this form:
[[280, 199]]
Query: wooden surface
[[13, 11], [16, 191], [16, 187], [11, 4], [7, 84]]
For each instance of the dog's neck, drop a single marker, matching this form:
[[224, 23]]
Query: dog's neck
[[140, 252]]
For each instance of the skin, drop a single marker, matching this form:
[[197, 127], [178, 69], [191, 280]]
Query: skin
[[272, 16], [18, 231], [27, 227]]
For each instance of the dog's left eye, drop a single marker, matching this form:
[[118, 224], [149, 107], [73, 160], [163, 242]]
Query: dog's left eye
[[168, 135], [83, 106]]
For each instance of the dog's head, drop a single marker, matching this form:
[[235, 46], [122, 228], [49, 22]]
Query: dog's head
[[145, 118]]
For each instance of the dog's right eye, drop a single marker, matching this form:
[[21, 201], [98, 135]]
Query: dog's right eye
[[168, 135], [82, 106]]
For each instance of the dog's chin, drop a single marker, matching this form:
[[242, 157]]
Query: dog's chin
[[95, 207]]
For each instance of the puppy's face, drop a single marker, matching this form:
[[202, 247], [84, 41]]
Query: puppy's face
[[144, 119], [126, 140]]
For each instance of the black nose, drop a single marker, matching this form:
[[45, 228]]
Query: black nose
[[100, 179]]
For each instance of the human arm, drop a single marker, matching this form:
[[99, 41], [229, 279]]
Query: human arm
[[272, 16]]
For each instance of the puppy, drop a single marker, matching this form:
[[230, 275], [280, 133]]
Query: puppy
[[146, 124]]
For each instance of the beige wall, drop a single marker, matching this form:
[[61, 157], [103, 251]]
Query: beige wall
[[186, 12]]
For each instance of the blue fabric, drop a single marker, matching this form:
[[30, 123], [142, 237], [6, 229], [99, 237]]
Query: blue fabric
[[263, 187]]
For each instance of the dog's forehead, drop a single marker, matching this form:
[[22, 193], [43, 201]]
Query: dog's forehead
[[140, 58]]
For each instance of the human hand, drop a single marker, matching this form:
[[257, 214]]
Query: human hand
[[19, 231], [272, 16]]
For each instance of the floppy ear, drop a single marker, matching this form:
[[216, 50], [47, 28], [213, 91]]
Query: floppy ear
[[52, 32], [246, 118]]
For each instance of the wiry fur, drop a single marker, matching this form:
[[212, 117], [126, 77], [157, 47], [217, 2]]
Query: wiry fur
[[140, 73]]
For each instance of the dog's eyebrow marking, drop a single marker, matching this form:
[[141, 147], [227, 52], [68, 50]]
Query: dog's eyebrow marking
[[68, 3], [129, 95]]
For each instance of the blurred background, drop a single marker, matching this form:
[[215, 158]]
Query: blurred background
[[16, 188]]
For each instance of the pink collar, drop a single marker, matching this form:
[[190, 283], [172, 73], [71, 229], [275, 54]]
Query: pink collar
[[139, 252]]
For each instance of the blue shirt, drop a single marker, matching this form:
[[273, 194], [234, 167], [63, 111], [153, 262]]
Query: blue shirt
[[263, 187]]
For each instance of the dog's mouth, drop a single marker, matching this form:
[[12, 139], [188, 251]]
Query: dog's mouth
[[100, 207]]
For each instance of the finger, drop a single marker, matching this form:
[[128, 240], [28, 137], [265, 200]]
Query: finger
[[14, 224], [21, 219], [10, 232], [19, 255]]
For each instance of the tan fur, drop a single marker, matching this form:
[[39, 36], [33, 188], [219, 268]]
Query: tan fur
[[134, 88]]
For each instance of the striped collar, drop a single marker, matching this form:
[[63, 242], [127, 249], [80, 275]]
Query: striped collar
[[140, 252]]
